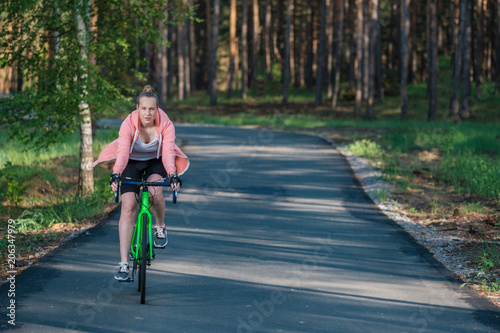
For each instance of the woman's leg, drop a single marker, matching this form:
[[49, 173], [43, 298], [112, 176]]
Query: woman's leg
[[127, 223], [157, 201]]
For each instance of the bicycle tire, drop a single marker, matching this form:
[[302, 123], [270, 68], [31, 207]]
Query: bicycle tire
[[144, 258]]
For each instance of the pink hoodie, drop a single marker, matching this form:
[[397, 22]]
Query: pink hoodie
[[173, 159]]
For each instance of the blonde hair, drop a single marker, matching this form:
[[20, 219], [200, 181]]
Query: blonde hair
[[148, 92]]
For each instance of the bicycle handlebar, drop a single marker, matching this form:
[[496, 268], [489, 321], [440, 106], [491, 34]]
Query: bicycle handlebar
[[145, 183]]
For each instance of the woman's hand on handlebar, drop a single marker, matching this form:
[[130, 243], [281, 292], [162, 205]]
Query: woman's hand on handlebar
[[175, 182], [113, 181]]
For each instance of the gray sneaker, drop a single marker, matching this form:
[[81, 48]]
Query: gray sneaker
[[122, 274], [161, 238]]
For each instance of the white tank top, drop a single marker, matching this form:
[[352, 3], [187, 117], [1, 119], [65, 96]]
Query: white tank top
[[145, 151]]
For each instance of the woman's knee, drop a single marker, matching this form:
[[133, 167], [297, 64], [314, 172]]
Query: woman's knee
[[129, 205], [156, 194]]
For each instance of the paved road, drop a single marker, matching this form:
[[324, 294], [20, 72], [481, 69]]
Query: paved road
[[271, 234]]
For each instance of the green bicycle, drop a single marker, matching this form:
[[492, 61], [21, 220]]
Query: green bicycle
[[141, 247]]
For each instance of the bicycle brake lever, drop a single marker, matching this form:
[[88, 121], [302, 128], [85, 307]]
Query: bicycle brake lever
[[174, 195]]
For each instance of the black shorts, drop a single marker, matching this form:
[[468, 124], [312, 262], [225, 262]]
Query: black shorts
[[135, 170]]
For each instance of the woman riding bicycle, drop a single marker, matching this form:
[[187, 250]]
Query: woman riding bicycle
[[146, 143]]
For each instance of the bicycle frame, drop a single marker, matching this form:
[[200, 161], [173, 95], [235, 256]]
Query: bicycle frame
[[135, 245]]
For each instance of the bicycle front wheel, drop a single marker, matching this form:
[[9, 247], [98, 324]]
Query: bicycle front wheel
[[144, 258]]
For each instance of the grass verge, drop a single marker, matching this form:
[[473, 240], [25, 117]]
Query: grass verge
[[38, 192]]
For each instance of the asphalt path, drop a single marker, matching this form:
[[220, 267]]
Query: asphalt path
[[272, 233]]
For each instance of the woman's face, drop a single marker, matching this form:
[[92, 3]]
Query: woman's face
[[147, 110]]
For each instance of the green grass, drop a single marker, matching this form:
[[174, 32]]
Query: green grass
[[23, 173], [14, 154], [365, 148], [488, 262]]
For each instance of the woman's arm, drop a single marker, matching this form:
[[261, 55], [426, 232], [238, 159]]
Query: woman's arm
[[125, 138], [168, 149]]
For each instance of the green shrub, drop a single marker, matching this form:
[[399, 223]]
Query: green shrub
[[365, 148]]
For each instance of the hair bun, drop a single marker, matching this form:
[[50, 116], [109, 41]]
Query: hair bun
[[147, 88]]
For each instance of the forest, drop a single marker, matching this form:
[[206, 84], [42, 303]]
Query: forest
[[412, 86], [377, 47]]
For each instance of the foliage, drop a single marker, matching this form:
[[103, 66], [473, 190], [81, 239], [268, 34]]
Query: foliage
[[40, 38], [365, 148]]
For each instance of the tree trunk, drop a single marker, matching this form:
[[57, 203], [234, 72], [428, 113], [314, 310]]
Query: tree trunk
[[302, 44], [458, 62], [244, 50], [453, 33], [170, 62], [208, 34], [192, 55], [187, 62], [432, 54], [329, 48], [286, 72], [297, 41], [272, 43], [137, 53], [163, 64], [378, 60], [359, 58], [201, 54], [321, 56], [497, 46], [86, 172], [180, 62], [292, 43], [338, 52], [267, 36], [280, 36], [374, 27], [412, 41], [351, 32], [212, 69], [233, 46], [466, 49], [309, 46], [366, 42], [405, 29], [478, 75], [255, 35]]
